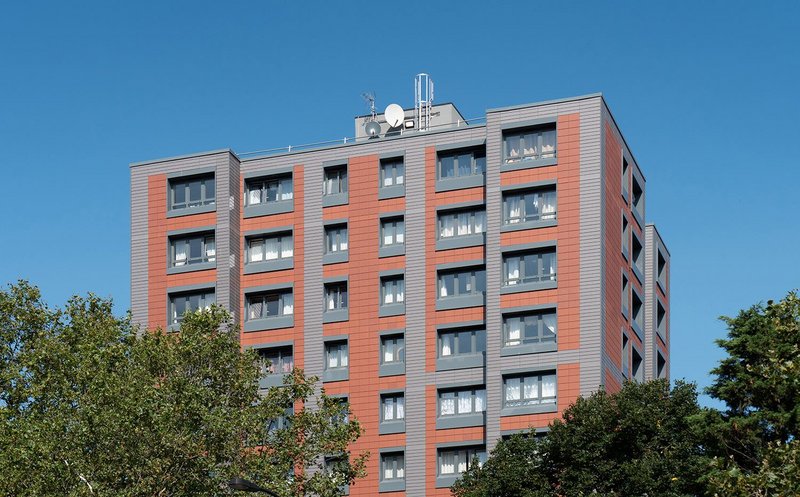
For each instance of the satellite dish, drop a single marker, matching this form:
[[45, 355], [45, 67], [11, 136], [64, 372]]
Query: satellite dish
[[394, 115], [372, 128]]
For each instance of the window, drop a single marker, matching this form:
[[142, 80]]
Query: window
[[662, 270], [393, 466], [462, 402], [531, 328], [187, 193], [637, 369], [278, 360], [661, 319], [531, 144], [343, 416], [393, 349], [457, 461], [281, 422], [461, 343], [637, 199], [393, 407], [267, 190], [269, 248], [336, 467], [336, 238], [637, 310], [270, 305], [661, 365], [195, 249], [626, 171], [637, 252], [393, 231], [181, 303], [393, 290], [336, 355], [530, 267], [336, 296], [626, 295], [626, 352], [529, 206], [626, 235], [393, 172], [335, 180], [529, 390], [462, 223], [462, 282], [462, 164]]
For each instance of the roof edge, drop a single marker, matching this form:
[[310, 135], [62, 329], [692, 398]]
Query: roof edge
[[658, 234], [546, 102], [184, 156]]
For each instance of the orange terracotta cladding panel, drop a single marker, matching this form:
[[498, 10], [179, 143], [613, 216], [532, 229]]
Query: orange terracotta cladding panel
[[157, 250], [295, 275], [568, 380], [566, 234]]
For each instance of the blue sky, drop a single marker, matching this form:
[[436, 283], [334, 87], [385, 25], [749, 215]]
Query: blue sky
[[706, 93]]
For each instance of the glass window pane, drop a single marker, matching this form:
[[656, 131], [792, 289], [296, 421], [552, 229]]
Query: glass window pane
[[179, 193], [194, 191], [464, 165], [447, 165], [210, 185], [465, 342]]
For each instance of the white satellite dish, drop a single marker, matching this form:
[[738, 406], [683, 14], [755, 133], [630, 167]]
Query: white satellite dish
[[394, 115]]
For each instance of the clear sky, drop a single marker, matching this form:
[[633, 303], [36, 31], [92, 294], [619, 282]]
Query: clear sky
[[706, 94]]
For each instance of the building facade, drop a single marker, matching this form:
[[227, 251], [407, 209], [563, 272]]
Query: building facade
[[456, 285]]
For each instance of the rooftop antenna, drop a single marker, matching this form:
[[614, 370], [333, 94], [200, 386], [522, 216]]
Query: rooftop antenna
[[423, 98], [371, 126]]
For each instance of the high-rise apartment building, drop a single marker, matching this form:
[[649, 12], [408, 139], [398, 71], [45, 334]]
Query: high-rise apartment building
[[455, 284]]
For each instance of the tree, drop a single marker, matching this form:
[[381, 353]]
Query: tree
[[635, 442], [777, 474], [91, 406], [759, 382]]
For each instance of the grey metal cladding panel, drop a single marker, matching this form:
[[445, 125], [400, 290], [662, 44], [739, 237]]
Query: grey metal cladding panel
[[139, 248], [651, 309], [139, 217], [312, 269], [592, 248], [416, 302], [234, 237]]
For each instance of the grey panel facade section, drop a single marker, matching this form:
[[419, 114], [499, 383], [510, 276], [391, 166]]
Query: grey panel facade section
[[221, 162], [591, 251], [654, 244], [313, 246]]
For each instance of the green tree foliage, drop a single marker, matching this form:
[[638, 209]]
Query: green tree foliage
[[638, 441], [759, 382], [91, 406]]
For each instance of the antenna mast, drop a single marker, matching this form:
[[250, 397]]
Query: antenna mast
[[369, 98], [423, 98]]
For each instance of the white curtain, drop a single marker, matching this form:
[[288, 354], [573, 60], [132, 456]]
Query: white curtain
[[401, 291], [529, 140], [327, 186], [447, 228], [399, 178], [388, 353], [446, 350], [552, 267], [388, 410], [447, 465], [255, 309], [400, 402], [464, 227], [388, 292], [388, 472], [512, 389], [288, 304], [548, 143], [442, 288], [388, 234], [464, 403], [287, 248], [271, 249], [287, 192], [401, 471], [512, 270], [254, 197], [256, 250], [180, 253], [211, 250], [549, 205], [331, 301], [343, 357], [463, 461], [400, 231], [514, 204], [531, 390], [480, 222], [514, 331], [549, 386], [343, 240], [447, 406], [333, 358], [480, 400], [387, 175]]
